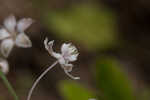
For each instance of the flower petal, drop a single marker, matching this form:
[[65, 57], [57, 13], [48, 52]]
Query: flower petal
[[6, 47], [68, 49], [49, 48], [3, 33], [4, 66], [69, 52], [10, 23], [23, 24], [48, 45], [65, 48], [61, 60], [23, 41], [73, 57]]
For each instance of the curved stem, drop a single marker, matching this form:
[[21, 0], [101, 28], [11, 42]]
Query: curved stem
[[8, 85], [39, 78]]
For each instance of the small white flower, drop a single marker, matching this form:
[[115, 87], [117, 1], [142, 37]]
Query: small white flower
[[13, 34], [4, 66], [69, 53]]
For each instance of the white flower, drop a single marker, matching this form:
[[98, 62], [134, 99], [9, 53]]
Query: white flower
[[69, 53], [4, 66], [12, 33]]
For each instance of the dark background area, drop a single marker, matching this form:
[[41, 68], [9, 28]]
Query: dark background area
[[131, 43]]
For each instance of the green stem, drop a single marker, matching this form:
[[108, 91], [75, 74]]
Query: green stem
[[9, 87]]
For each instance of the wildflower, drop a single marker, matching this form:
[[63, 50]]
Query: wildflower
[[12, 33], [69, 53], [4, 66]]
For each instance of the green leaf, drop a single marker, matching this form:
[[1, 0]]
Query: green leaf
[[93, 27], [112, 81], [8, 85], [75, 91]]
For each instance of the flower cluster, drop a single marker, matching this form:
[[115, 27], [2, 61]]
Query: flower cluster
[[12, 33]]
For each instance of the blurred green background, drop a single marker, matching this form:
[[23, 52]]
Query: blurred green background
[[112, 37]]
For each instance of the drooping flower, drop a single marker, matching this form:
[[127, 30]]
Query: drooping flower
[[4, 66], [69, 53], [13, 33]]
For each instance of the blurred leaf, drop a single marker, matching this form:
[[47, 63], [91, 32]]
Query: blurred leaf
[[74, 91], [144, 94], [93, 27], [8, 85], [112, 81]]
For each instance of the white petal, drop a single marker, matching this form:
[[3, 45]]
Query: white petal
[[3, 33], [56, 55], [10, 23], [68, 49], [4, 66], [65, 48], [23, 24], [23, 41], [6, 47], [69, 52], [73, 57], [49, 48], [45, 43], [48, 45], [62, 61]]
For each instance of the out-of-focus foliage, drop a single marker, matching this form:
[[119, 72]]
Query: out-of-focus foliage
[[8, 85], [144, 95], [112, 81], [92, 26], [74, 91]]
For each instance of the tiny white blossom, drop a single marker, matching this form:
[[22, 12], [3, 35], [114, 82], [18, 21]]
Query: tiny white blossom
[[12, 33], [69, 53], [4, 66]]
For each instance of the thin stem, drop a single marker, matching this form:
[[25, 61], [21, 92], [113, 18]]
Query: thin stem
[[8, 85], [39, 78], [71, 76]]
